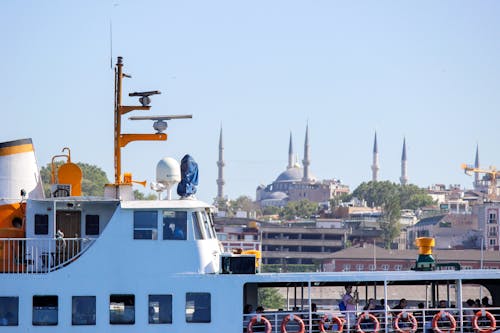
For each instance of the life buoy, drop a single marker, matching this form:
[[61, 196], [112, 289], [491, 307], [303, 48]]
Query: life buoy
[[367, 315], [334, 320], [442, 315], [299, 321], [491, 318], [261, 320], [409, 317]]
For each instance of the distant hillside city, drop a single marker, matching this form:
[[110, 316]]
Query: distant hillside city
[[299, 222]]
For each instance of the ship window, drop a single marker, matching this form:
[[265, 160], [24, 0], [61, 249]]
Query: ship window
[[122, 309], [92, 225], [196, 226], [208, 225], [83, 310], [160, 309], [41, 224], [9, 311], [45, 310], [198, 308], [174, 224], [145, 224]]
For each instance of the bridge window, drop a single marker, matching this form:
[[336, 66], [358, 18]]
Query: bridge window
[[41, 224], [196, 226], [122, 309], [160, 309], [174, 224], [83, 310], [198, 308], [91, 225], [145, 224], [45, 310], [9, 311]]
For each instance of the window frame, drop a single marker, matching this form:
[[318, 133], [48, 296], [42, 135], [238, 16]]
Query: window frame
[[196, 297], [142, 225], [165, 304], [92, 313]]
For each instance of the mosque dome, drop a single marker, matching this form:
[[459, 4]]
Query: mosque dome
[[294, 174], [291, 174], [277, 196]]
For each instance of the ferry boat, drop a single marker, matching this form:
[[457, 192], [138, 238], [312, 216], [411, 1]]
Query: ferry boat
[[72, 263]]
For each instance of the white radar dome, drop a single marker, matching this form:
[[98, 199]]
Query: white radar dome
[[168, 171]]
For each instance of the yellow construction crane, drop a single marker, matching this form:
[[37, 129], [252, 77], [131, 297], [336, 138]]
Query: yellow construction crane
[[492, 173]]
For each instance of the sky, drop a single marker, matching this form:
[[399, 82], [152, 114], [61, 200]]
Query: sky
[[427, 71]]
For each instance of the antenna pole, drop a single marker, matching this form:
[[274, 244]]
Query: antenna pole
[[118, 103]]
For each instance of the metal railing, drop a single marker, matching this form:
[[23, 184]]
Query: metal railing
[[413, 320], [39, 255]]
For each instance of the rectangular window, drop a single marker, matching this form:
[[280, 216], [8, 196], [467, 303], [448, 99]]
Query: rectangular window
[[346, 267], [360, 267], [122, 309], [371, 267], [41, 224], [92, 225], [9, 311], [83, 310], [385, 267], [208, 224], [145, 224], [398, 267], [198, 308], [174, 224], [45, 310], [160, 309], [196, 226]]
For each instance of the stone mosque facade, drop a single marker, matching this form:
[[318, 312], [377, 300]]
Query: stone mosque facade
[[296, 183]]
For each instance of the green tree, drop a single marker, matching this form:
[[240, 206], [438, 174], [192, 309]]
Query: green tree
[[138, 195], [93, 179], [244, 203], [299, 209], [390, 225], [270, 298]]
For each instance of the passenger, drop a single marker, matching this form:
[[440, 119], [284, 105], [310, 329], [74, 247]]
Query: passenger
[[442, 304], [258, 327], [383, 309], [485, 302], [247, 315], [368, 325], [401, 305], [350, 306], [419, 315], [468, 315]]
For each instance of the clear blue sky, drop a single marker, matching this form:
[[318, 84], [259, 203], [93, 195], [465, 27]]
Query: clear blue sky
[[425, 70]]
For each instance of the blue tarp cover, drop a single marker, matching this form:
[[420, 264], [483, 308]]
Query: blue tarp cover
[[189, 177]]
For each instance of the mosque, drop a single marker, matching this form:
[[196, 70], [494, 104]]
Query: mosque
[[297, 183]]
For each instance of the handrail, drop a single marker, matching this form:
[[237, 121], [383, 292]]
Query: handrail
[[40, 255]]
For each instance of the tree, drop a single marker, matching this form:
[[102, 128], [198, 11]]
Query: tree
[[138, 195], [390, 224], [243, 202], [297, 209], [93, 179], [270, 298]]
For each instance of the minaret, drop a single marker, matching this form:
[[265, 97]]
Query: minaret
[[476, 165], [404, 174], [375, 166], [290, 153], [220, 165], [306, 161]]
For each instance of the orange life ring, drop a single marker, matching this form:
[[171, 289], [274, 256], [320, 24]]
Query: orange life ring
[[261, 320], [411, 318], [296, 318], [442, 314], [367, 315], [334, 319], [491, 318]]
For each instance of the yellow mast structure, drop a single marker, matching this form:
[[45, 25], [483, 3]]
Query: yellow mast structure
[[493, 174], [121, 140]]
